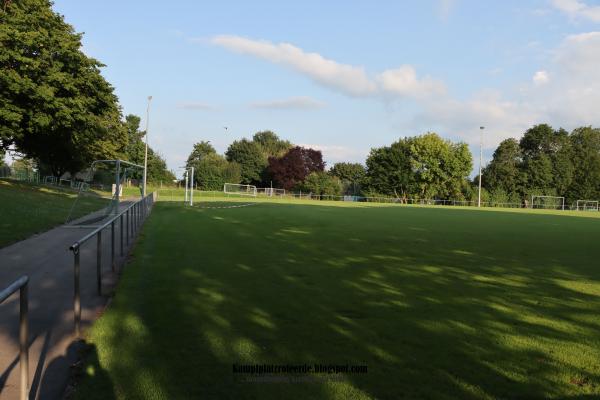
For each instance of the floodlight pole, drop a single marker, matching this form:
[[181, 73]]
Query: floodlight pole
[[481, 128], [146, 152], [186, 185], [192, 188]]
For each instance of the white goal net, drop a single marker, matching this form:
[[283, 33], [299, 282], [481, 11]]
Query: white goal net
[[548, 202], [237, 188], [587, 205]]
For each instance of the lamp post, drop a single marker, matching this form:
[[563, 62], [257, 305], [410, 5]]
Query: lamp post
[[481, 128], [146, 151]]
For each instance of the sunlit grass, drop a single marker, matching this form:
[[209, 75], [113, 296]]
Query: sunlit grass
[[27, 209], [438, 302]]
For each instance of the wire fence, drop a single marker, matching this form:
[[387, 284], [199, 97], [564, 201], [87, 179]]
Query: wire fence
[[175, 194]]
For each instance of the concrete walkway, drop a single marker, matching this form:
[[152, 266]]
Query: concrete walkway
[[47, 260]]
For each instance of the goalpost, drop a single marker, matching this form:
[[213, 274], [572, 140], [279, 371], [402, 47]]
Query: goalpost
[[237, 188], [587, 205], [548, 202]]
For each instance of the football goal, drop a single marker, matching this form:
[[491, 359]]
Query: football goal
[[548, 202], [587, 205], [237, 188]]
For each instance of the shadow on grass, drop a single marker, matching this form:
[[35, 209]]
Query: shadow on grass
[[437, 303], [28, 209]]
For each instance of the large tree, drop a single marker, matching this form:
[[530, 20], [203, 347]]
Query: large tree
[[586, 160], [55, 106], [504, 171], [212, 171], [321, 183], [248, 154], [270, 144], [547, 163], [389, 170], [352, 176], [201, 150], [425, 166], [293, 167]]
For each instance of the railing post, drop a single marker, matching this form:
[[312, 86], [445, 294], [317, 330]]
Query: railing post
[[99, 263], [127, 227], [77, 297], [112, 245], [121, 227], [23, 334]]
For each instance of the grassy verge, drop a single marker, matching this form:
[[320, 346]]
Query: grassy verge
[[437, 302], [28, 209]]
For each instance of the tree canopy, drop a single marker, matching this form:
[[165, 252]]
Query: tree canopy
[[293, 167], [249, 155], [424, 166], [55, 106]]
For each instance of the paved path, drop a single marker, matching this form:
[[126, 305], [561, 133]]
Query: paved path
[[49, 264]]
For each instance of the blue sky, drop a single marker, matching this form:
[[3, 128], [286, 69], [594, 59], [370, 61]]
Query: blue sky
[[345, 76]]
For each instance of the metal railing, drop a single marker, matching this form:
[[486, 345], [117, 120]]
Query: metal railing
[[21, 285], [134, 216]]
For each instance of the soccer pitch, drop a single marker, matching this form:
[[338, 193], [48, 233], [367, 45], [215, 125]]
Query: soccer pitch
[[436, 302]]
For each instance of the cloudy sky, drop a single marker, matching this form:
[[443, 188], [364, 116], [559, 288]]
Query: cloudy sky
[[345, 76]]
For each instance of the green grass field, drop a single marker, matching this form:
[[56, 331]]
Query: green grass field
[[439, 303], [28, 209]]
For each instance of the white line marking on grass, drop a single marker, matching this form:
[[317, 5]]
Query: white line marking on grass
[[219, 207]]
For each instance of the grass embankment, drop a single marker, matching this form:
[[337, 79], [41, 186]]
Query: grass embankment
[[27, 209], [437, 302]]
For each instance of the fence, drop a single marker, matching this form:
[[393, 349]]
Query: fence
[[21, 285], [176, 195], [20, 174], [129, 220]]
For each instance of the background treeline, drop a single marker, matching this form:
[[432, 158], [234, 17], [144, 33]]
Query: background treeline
[[56, 108], [543, 162]]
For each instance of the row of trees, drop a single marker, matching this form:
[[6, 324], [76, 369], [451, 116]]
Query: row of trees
[[546, 161], [543, 162], [55, 106], [425, 166]]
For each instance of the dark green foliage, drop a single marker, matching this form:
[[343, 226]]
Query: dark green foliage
[[352, 176], [321, 183], [212, 171], [200, 150], [270, 144], [424, 166], [504, 171], [547, 162], [249, 155], [55, 106], [586, 163]]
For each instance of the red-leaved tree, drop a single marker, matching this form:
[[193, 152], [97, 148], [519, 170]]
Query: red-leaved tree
[[295, 165]]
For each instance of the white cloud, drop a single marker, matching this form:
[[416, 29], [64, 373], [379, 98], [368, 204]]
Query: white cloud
[[347, 79], [293, 103], [404, 81], [195, 106], [564, 93], [578, 9], [540, 78]]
